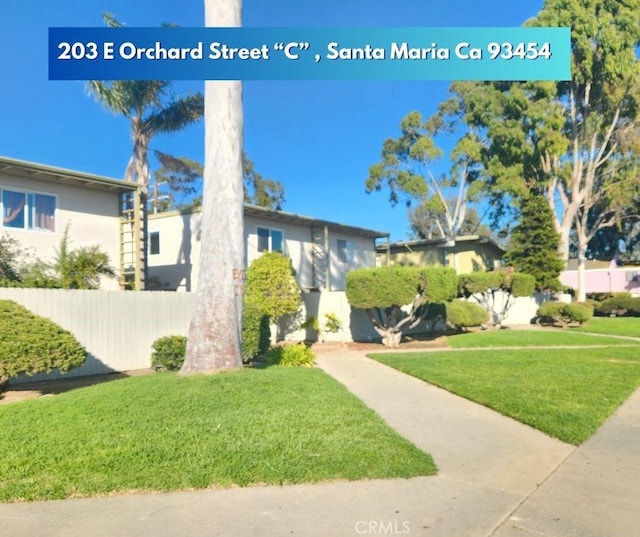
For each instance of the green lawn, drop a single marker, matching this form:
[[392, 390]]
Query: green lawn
[[164, 432], [567, 393], [617, 326], [529, 338]]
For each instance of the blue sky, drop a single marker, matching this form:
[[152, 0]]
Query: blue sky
[[317, 138]]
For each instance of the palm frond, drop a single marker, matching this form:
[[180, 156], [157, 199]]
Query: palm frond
[[177, 115], [128, 97]]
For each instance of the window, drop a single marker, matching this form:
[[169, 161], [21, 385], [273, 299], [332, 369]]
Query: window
[[26, 210], [270, 240], [154, 243], [346, 251]]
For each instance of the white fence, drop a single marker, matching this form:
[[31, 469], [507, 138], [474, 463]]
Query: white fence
[[356, 325], [116, 327]]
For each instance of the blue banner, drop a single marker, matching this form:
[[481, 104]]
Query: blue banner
[[309, 53]]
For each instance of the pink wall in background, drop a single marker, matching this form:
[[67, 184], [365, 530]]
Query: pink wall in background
[[605, 280]]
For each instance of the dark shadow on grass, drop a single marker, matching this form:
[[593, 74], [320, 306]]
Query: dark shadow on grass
[[30, 390]]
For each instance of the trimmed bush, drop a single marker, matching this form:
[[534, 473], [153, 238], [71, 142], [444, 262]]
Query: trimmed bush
[[483, 286], [521, 284], [622, 304], [558, 313], [168, 353], [271, 286], [383, 291], [382, 287], [290, 356], [579, 312], [256, 333], [32, 344], [461, 314]]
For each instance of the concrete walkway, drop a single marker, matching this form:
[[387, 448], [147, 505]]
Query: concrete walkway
[[497, 478]]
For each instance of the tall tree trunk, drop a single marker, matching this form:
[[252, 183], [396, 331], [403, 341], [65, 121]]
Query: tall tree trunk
[[214, 341]]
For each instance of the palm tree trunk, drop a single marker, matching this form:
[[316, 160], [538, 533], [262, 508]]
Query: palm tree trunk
[[215, 333]]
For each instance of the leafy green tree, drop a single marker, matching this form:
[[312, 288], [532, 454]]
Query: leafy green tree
[[534, 245], [259, 190], [152, 109], [573, 140], [395, 298], [405, 169], [423, 222], [183, 180], [215, 334], [621, 241]]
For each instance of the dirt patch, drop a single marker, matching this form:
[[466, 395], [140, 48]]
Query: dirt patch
[[416, 342], [13, 393]]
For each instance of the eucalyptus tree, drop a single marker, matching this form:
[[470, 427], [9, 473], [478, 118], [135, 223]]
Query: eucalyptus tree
[[406, 169], [214, 340], [573, 140]]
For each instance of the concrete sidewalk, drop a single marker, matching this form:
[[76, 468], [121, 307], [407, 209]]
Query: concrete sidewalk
[[493, 480], [595, 492]]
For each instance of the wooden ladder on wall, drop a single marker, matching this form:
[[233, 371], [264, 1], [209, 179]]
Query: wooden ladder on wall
[[133, 240], [320, 257]]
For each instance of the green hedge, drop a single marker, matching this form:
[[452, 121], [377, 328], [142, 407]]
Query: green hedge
[[32, 344], [462, 314], [620, 305], [256, 334], [382, 287], [517, 283], [554, 313]]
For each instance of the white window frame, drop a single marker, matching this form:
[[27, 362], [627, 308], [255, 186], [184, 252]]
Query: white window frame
[[269, 239], [28, 215], [346, 255]]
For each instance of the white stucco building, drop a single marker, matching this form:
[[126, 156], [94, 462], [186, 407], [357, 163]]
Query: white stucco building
[[38, 202], [321, 251]]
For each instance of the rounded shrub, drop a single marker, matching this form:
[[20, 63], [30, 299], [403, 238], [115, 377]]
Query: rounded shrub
[[622, 304], [462, 314], [579, 312], [298, 355], [559, 313], [168, 353], [31, 344]]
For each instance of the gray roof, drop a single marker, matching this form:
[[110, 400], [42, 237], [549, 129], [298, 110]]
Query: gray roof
[[281, 216], [289, 218], [441, 242], [22, 168]]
